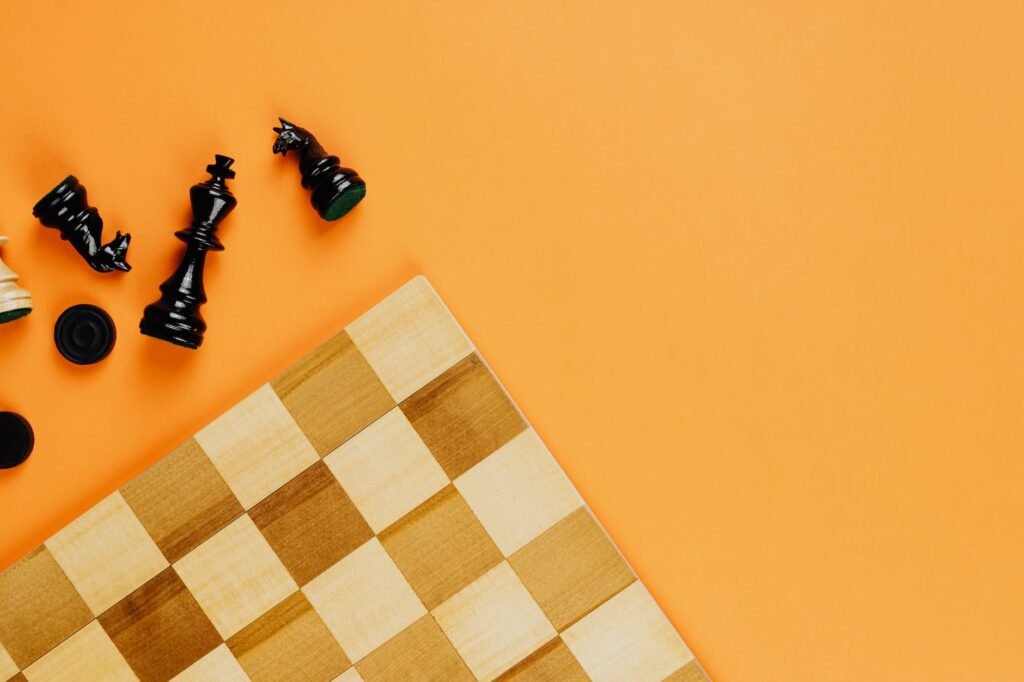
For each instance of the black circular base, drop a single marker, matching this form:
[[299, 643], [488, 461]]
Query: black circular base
[[171, 325], [16, 439], [84, 334]]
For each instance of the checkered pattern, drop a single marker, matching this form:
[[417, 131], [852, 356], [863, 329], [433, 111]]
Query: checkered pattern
[[380, 511]]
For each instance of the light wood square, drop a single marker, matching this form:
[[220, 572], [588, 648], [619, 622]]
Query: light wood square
[[553, 662], [87, 655], [8, 668], [350, 675], [627, 638], [387, 470], [39, 607], [494, 623], [421, 652], [572, 568], [106, 553], [256, 446], [289, 642], [409, 338], [518, 492], [364, 600], [219, 665], [235, 576], [332, 393], [440, 547]]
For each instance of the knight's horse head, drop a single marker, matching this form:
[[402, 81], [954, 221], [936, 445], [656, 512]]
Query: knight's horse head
[[289, 136]]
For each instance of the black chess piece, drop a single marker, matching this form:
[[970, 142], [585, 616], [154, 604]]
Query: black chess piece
[[16, 439], [336, 190], [175, 317], [84, 334], [66, 208]]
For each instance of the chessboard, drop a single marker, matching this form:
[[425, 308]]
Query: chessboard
[[379, 511]]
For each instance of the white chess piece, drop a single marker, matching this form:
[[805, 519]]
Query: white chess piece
[[15, 301]]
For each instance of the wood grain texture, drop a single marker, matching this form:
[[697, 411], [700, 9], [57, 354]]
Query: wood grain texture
[[107, 553], [235, 576], [627, 638], [463, 415], [553, 662], [220, 665], [310, 523], [420, 652], [572, 568], [365, 600], [409, 338], [160, 629], [691, 672], [518, 492], [181, 500], [436, 539], [39, 607], [332, 393], [8, 668], [440, 547], [86, 655], [494, 623], [387, 470], [256, 446], [289, 642]]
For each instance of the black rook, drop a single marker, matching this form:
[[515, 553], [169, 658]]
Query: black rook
[[175, 317]]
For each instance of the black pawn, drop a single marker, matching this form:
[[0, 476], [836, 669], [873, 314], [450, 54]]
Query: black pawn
[[66, 208], [84, 334], [16, 439], [175, 318], [335, 190]]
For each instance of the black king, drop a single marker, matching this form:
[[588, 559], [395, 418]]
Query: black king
[[175, 317]]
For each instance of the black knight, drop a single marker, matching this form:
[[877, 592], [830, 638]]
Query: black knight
[[336, 190]]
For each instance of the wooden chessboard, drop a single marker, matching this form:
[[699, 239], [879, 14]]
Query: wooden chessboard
[[380, 511]]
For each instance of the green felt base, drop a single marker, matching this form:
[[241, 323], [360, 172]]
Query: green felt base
[[12, 315], [345, 202]]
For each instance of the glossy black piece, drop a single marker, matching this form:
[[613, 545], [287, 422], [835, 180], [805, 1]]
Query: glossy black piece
[[336, 190], [175, 318], [66, 208], [84, 334], [16, 439]]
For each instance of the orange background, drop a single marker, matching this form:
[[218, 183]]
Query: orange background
[[751, 268]]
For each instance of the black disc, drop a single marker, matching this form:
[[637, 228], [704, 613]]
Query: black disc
[[84, 334], [16, 440]]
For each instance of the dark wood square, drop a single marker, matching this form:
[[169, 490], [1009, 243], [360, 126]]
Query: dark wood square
[[440, 547], [553, 662], [332, 393], [160, 629], [289, 642], [571, 569], [311, 523], [420, 652], [181, 500], [39, 607], [463, 415]]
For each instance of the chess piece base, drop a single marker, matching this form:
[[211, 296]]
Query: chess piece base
[[16, 439], [171, 327], [14, 309], [341, 202], [84, 334]]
